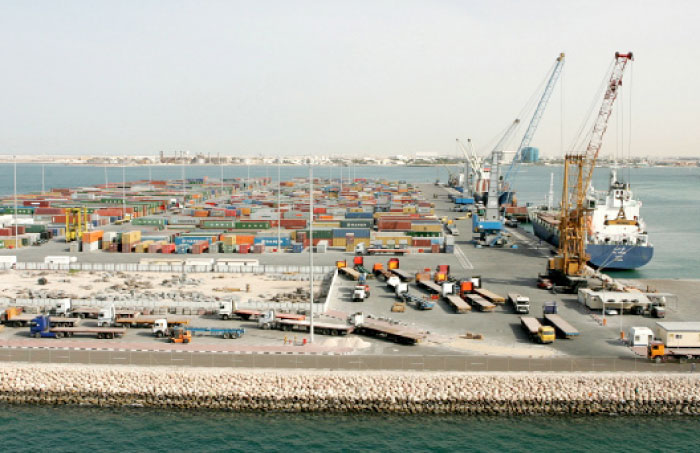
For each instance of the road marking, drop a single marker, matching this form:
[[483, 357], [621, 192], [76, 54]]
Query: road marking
[[462, 258]]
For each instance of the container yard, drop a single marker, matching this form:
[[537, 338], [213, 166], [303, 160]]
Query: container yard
[[222, 255]]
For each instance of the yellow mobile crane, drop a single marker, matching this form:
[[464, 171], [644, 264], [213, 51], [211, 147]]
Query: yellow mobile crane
[[76, 223], [567, 269]]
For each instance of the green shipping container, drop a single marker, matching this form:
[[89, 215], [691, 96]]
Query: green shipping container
[[35, 228], [357, 223], [228, 224]]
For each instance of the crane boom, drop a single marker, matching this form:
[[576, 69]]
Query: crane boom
[[534, 121], [578, 171]]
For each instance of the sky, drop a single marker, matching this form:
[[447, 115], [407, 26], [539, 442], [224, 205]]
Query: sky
[[325, 77]]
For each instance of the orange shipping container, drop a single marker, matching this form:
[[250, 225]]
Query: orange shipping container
[[201, 213], [245, 239], [92, 236]]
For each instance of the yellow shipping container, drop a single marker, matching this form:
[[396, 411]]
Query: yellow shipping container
[[131, 237], [339, 242], [11, 242], [326, 224], [229, 239]]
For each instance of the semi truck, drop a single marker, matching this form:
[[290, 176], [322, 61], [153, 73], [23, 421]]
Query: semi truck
[[360, 293], [520, 303], [381, 329], [161, 329], [679, 340], [536, 331], [40, 327], [14, 317], [269, 320]]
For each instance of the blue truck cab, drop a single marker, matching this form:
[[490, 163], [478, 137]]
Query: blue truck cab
[[40, 327]]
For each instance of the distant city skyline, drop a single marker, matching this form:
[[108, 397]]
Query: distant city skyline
[[346, 79]]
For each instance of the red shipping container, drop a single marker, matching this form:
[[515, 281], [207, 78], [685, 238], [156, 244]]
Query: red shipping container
[[36, 203], [435, 248], [319, 210], [48, 211], [110, 212], [5, 232], [244, 248], [168, 248]]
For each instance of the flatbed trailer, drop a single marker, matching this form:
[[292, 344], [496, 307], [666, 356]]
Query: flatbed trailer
[[93, 312], [384, 273], [560, 325], [429, 285], [403, 275], [480, 303], [321, 328], [382, 329], [459, 305], [377, 251], [350, 272], [23, 320], [232, 333], [247, 314], [531, 325], [146, 321], [490, 296]]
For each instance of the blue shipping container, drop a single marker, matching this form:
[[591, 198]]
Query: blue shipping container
[[190, 240], [359, 215], [358, 232], [272, 241]]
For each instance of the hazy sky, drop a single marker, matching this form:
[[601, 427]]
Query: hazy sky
[[335, 77]]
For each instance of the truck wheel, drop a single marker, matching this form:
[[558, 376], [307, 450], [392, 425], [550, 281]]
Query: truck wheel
[[235, 335], [159, 334], [657, 360], [225, 317], [226, 336], [37, 335], [333, 332], [186, 340]]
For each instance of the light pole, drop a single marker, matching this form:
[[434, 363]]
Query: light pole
[[124, 191], [311, 247], [279, 205], [14, 158]]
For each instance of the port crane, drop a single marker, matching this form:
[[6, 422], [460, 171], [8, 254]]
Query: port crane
[[490, 226], [568, 267], [512, 170], [473, 169]]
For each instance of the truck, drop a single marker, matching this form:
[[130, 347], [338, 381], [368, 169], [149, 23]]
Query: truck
[[675, 340], [13, 317], [378, 270], [107, 317], [161, 329], [397, 285], [229, 310], [563, 328], [269, 320], [360, 249], [520, 303], [364, 325], [360, 293], [536, 331], [41, 327]]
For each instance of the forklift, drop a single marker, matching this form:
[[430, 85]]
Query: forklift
[[179, 334]]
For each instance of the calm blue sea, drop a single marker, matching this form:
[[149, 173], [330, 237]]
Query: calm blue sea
[[82, 429]]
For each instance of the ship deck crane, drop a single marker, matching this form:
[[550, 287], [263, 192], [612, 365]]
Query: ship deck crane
[[512, 171], [568, 267], [490, 226]]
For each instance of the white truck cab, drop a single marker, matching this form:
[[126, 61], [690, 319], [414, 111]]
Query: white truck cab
[[106, 317], [62, 307], [160, 328], [226, 309]]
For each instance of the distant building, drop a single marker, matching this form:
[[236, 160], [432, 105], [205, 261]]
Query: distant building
[[530, 155]]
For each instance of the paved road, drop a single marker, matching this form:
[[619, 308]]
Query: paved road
[[337, 362]]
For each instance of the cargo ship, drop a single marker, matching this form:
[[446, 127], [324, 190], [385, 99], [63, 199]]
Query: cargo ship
[[616, 235]]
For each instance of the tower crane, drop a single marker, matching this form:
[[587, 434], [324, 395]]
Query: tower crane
[[568, 267], [512, 171]]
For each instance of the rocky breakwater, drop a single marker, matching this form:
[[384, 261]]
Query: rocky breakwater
[[350, 392]]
